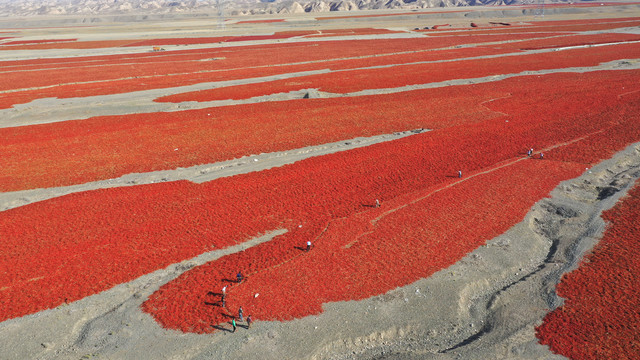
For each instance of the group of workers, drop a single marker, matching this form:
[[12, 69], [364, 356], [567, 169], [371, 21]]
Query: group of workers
[[223, 302]]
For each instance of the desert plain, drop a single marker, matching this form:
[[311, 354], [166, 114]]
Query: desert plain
[[448, 165]]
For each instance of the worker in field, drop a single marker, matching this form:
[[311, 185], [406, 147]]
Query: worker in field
[[460, 173], [223, 300]]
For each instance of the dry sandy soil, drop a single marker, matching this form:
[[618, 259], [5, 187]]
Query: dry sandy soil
[[485, 306]]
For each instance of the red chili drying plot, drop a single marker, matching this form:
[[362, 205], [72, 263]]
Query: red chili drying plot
[[567, 41], [268, 37], [94, 68], [582, 22], [357, 31], [604, 144], [117, 59], [131, 69], [209, 40], [102, 147], [574, 40], [127, 232], [297, 83], [402, 75], [242, 57], [165, 81], [600, 318], [144, 83], [358, 256], [70, 45], [184, 62], [152, 243]]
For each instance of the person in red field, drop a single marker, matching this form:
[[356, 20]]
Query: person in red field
[[223, 296]]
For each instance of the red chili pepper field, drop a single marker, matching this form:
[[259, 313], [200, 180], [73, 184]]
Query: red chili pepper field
[[600, 318], [485, 95]]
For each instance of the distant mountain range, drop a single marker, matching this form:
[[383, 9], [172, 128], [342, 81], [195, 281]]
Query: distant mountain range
[[229, 7]]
